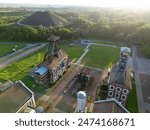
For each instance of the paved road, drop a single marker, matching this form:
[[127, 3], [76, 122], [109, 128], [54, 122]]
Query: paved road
[[55, 94], [140, 66], [20, 56], [28, 46], [83, 55], [20, 24]]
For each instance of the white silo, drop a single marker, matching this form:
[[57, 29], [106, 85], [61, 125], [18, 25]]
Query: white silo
[[81, 101]]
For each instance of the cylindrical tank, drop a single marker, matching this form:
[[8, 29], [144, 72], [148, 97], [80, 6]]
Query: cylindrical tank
[[81, 101]]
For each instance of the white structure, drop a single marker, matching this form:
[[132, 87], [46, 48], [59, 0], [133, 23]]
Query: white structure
[[124, 53], [81, 101]]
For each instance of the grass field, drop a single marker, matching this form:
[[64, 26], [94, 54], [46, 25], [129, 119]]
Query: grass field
[[132, 99], [74, 52], [144, 51], [19, 69], [101, 56], [8, 48], [30, 82]]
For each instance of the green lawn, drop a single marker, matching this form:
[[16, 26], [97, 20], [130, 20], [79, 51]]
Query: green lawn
[[132, 99], [30, 82], [19, 69], [145, 51], [101, 57], [74, 52], [8, 48]]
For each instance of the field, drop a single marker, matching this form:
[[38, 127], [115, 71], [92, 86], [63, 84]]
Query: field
[[74, 52], [101, 57], [132, 99], [29, 81], [8, 48], [19, 69]]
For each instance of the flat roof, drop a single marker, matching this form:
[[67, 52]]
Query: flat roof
[[125, 49], [109, 106], [42, 70], [14, 98]]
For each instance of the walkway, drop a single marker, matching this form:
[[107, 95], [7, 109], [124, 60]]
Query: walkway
[[137, 66], [20, 56]]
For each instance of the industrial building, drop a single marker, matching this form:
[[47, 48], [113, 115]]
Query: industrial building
[[16, 98], [55, 63], [109, 106], [119, 81]]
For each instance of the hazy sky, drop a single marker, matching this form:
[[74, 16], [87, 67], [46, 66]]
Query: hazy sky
[[143, 4]]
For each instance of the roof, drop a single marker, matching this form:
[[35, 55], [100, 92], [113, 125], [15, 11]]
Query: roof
[[81, 95], [42, 70], [53, 38], [6, 85], [14, 98], [55, 60], [125, 49], [120, 77], [109, 106]]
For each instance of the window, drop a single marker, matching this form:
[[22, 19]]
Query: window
[[117, 95], [110, 94], [111, 87], [125, 91], [118, 89], [63, 64], [123, 97]]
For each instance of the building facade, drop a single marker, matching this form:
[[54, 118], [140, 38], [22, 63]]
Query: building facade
[[49, 72], [55, 63], [119, 82]]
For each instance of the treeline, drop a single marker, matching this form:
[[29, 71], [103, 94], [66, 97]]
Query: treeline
[[118, 26], [21, 33]]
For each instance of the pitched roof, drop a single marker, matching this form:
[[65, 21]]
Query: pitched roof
[[109, 106], [120, 77], [14, 98], [55, 60]]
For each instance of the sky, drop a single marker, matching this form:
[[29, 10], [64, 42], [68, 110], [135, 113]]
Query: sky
[[141, 4]]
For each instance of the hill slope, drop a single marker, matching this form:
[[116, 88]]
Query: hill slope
[[44, 18]]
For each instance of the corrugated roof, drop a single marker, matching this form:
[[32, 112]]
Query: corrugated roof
[[14, 98]]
